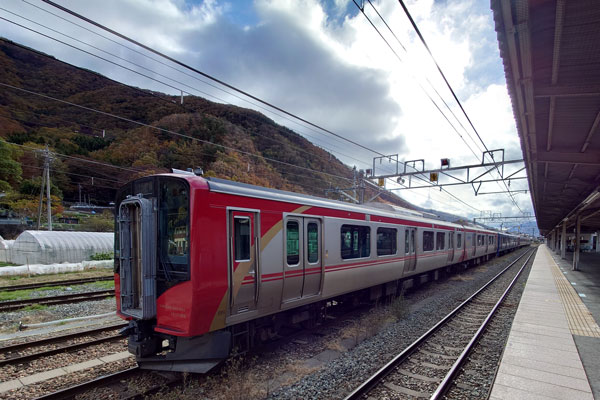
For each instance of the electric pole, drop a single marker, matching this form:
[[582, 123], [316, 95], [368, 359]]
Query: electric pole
[[46, 182]]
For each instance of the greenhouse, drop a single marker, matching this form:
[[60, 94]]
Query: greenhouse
[[49, 247], [5, 246]]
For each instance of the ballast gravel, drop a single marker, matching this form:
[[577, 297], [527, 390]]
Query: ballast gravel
[[427, 305], [10, 320]]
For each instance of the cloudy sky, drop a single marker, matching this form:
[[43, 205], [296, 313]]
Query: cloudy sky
[[321, 60]]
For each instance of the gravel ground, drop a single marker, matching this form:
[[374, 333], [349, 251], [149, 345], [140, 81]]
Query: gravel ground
[[9, 372], [478, 373], [9, 320], [62, 382], [57, 312], [427, 305], [33, 348]]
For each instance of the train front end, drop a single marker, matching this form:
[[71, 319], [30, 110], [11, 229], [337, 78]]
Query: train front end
[[153, 272]]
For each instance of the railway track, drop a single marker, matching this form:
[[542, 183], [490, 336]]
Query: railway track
[[62, 299], [55, 283], [116, 379], [427, 367], [20, 353]]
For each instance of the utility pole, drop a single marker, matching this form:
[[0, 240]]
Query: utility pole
[[39, 222], [47, 166], [46, 182]]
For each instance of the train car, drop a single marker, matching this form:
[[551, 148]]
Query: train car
[[204, 265]]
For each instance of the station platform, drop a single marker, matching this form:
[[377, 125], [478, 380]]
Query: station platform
[[554, 343]]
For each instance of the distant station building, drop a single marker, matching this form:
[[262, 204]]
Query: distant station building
[[51, 247]]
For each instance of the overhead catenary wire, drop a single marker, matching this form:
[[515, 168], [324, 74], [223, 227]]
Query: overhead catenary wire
[[426, 79], [417, 30], [418, 83], [456, 98]]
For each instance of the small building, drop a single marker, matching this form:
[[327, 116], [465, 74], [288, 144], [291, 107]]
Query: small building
[[68, 220], [52, 247]]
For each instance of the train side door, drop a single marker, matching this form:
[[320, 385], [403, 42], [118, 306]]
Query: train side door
[[312, 257], [243, 260], [302, 258], [410, 249], [450, 246], [474, 236]]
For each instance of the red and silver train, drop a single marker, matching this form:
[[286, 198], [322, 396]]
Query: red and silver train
[[203, 265]]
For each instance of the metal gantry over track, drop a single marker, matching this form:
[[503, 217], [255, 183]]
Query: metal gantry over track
[[413, 175]]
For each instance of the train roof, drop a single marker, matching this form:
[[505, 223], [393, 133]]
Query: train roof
[[384, 210]]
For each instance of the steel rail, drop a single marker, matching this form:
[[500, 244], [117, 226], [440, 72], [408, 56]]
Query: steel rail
[[73, 391], [376, 378], [448, 379], [62, 349], [54, 339], [62, 299], [55, 283]]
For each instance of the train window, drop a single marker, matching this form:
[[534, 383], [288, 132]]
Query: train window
[[413, 245], [173, 219], [312, 231], [406, 242], [355, 241], [427, 241], [293, 242], [386, 241], [241, 238], [459, 241], [479, 240], [440, 239]]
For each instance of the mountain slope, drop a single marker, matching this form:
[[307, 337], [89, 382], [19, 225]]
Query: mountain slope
[[226, 141]]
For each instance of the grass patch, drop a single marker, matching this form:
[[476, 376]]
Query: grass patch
[[5, 264], [461, 278], [16, 295], [35, 307], [26, 293], [23, 279], [105, 285], [398, 308], [102, 256]]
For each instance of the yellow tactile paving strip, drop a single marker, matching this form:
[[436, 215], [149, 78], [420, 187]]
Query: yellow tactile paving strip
[[579, 317]]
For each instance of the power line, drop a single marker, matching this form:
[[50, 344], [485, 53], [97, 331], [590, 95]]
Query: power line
[[428, 81], [75, 158], [168, 131], [159, 81], [214, 79], [416, 28], [186, 74], [456, 98], [208, 76], [418, 83]]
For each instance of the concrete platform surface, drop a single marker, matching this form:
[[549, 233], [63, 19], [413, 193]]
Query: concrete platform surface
[[541, 359]]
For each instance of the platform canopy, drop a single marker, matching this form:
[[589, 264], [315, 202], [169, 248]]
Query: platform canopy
[[551, 55]]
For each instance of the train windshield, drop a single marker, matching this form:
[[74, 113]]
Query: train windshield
[[174, 232]]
